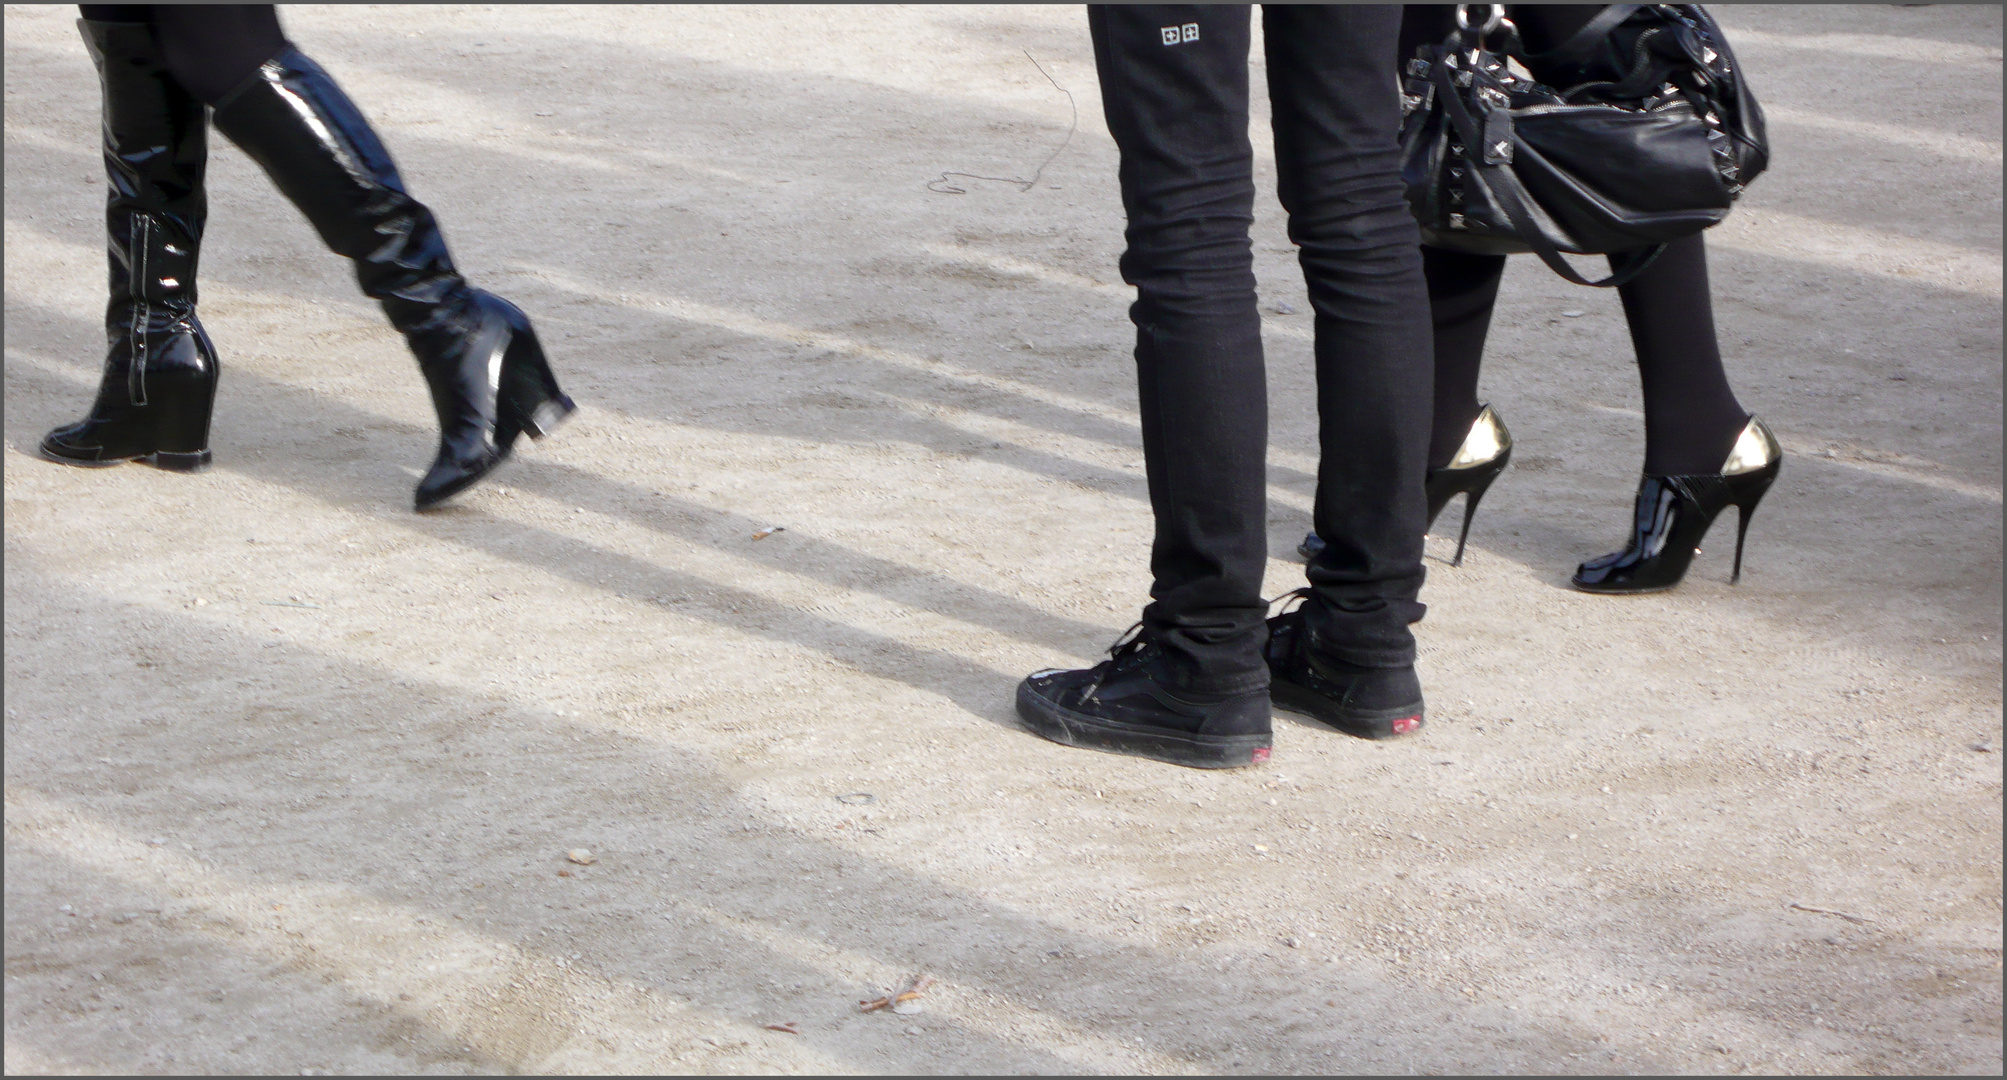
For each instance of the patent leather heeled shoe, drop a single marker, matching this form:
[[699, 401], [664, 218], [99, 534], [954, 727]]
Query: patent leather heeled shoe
[[1486, 450], [482, 362], [1674, 513], [159, 380]]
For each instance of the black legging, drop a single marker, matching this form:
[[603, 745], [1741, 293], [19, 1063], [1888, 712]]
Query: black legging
[[1691, 415], [210, 48]]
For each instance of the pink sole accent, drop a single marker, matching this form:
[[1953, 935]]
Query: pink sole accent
[[1261, 754], [1406, 724]]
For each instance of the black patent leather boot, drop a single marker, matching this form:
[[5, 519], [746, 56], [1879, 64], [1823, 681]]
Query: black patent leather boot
[[160, 370], [1674, 513], [1486, 450], [489, 380]]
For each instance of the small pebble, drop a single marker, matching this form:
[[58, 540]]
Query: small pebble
[[581, 856], [1572, 314], [1294, 943], [1283, 307]]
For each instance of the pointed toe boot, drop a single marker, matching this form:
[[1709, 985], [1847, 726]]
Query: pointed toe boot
[[490, 385], [480, 357], [159, 380]]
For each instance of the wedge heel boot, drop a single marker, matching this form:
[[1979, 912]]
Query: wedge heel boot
[[159, 380]]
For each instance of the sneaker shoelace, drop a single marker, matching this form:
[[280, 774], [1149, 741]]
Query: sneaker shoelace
[[1293, 594], [1301, 596], [1133, 640]]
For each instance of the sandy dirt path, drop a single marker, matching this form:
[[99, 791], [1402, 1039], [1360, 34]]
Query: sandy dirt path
[[291, 772]]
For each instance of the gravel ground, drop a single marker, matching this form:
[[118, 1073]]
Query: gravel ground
[[291, 772]]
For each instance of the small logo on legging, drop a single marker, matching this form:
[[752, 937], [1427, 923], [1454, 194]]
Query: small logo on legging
[[1175, 35]]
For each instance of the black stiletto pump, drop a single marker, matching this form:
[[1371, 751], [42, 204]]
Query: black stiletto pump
[[160, 371], [1674, 513], [1484, 454], [1486, 450]]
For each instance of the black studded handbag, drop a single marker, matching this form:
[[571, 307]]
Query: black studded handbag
[[1636, 131]]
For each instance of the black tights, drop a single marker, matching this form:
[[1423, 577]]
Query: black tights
[[1691, 415], [210, 48]]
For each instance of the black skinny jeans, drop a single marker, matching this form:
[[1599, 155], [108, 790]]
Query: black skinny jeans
[[1174, 87]]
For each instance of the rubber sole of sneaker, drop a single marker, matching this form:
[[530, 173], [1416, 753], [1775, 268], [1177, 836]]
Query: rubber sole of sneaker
[[1363, 723], [1069, 728]]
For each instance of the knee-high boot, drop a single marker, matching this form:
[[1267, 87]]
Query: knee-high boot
[[487, 373], [160, 370]]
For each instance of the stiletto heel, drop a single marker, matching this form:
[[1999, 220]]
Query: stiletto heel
[[1673, 514], [1748, 489], [1741, 532], [1470, 502], [1486, 450]]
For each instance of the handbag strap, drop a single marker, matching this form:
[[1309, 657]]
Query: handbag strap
[[1577, 47], [1508, 197]]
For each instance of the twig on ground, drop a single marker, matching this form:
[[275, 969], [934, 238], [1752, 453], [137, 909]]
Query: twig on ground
[[951, 188], [913, 990], [1829, 911]]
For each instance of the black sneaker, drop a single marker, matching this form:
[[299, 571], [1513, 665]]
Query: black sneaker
[[1117, 706], [1372, 703]]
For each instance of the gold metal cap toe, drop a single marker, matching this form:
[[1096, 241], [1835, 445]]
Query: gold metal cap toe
[[1487, 439], [1754, 449]]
